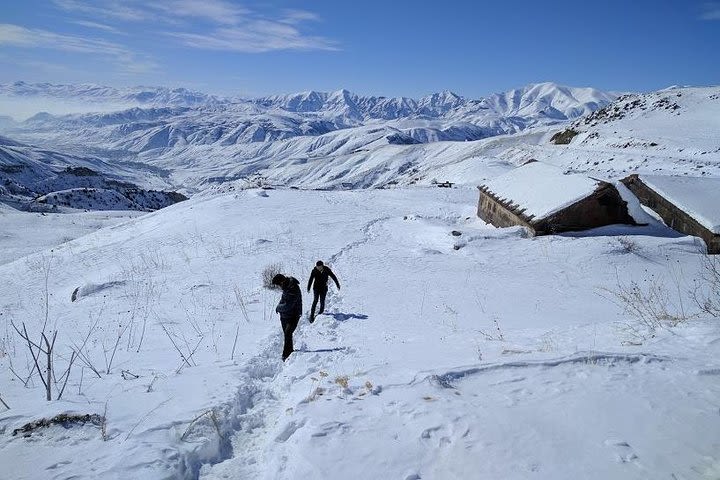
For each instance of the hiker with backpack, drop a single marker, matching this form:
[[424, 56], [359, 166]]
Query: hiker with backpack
[[289, 308], [318, 280]]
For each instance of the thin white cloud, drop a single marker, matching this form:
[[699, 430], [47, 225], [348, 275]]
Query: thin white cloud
[[168, 11], [211, 24], [255, 37], [216, 11], [297, 16], [17, 36], [115, 9], [711, 11], [46, 66], [98, 26]]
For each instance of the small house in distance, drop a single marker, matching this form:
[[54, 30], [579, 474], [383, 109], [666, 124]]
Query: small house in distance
[[690, 205], [544, 199]]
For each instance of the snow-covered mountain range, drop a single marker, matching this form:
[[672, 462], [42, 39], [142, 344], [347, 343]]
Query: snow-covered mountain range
[[187, 141], [199, 140], [92, 93]]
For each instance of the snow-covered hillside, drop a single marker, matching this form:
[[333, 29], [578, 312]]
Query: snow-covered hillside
[[202, 141], [670, 132], [341, 140], [682, 141], [453, 350], [32, 178]]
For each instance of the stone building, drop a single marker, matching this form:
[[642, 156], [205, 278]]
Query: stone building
[[690, 205], [546, 200]]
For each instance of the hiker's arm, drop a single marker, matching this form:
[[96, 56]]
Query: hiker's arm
[[310, 280], [332, 275], [282, 305]]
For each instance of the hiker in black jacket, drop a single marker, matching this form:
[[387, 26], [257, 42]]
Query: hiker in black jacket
[[289, 308], [320, 275]]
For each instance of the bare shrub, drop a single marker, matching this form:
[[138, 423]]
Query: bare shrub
[[186, 357], [343, 381], [209, 414], [42, 351], [706, 289], [495, 334], [243, 309], [43, 355], [268, 273], [112, 351], [627, 245], [650, 305]]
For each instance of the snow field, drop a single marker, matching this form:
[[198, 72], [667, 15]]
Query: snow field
[[26, 233], [483, 355]]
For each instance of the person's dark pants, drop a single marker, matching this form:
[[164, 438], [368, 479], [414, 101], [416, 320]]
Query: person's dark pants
[[289, 324], [319, 295]]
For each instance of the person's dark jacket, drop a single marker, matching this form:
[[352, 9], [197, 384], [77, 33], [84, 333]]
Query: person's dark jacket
[[321, 278], [291, 300]]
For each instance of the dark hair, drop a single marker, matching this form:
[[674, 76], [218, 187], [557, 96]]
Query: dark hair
[[278, 279], [319, 263]]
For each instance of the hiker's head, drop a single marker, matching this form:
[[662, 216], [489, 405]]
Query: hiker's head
[[278, 279], [319, 265]]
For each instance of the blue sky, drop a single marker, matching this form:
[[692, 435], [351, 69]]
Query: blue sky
[[392, 48]]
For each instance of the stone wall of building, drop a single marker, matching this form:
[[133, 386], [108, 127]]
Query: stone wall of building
[[673, 216]]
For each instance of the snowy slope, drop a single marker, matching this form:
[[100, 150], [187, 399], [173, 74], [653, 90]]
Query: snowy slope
[[668, 132], [27, 233], [32, 178], [480, 355]]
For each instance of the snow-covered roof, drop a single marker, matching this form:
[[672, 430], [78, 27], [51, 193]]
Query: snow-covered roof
[[541, 189], [697, 196]]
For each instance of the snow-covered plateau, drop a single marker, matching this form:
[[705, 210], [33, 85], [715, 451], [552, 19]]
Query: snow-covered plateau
[[452, 350]]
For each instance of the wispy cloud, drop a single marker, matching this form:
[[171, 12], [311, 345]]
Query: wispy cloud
[[710, 11], [106, 9], [97, 26], [215, 11], [297, 16], [210, 24], [255, 37], [128, 61], [168, 11]]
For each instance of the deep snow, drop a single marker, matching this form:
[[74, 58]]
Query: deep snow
[[483, 355]]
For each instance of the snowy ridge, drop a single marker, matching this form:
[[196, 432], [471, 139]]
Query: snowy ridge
[[670, 132], [536, 103], [99, 93], [549, 100]]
